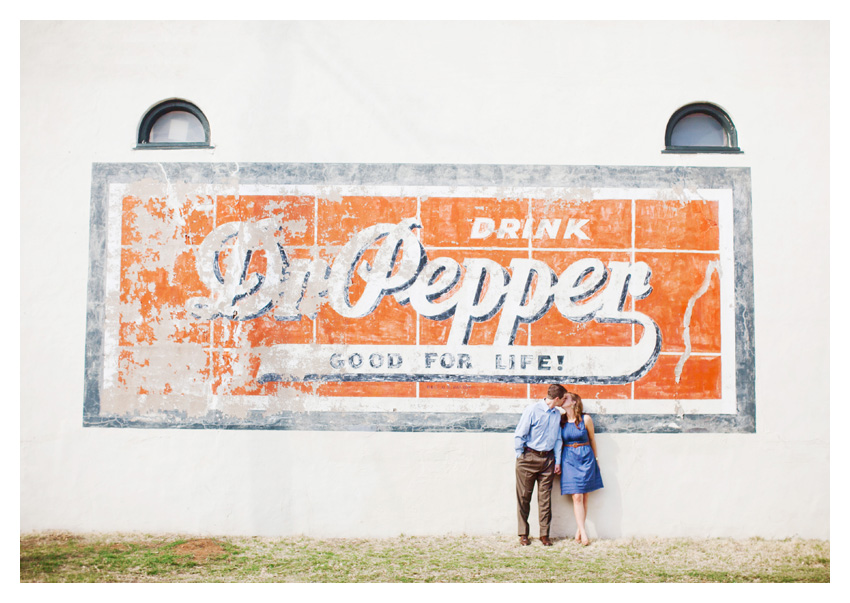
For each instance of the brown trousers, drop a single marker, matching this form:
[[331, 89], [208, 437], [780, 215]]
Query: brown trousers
[[534, 467]]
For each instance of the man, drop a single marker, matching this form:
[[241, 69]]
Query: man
[[534, 440]]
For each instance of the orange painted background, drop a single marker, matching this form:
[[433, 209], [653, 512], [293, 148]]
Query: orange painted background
[[165, 351]]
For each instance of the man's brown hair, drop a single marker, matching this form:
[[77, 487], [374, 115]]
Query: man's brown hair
[[556, 391]]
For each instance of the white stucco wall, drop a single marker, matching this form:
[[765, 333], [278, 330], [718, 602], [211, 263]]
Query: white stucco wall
[[503, 93]]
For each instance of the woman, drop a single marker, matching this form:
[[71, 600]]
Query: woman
[[575, 460]]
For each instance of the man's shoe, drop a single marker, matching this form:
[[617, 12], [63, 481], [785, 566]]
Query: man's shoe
[[523, 540], [544, 540]]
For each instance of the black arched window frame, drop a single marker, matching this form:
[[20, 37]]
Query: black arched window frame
[[708, 109], [159, 110]]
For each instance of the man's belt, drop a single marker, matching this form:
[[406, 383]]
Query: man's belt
[[540, 452]]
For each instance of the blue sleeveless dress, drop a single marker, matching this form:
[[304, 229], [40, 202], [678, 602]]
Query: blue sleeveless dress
[[579, 469]]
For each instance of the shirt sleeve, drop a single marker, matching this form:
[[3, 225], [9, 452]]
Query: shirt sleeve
[[521, 432], [559, 446]]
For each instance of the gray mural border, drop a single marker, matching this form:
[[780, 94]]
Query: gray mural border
[[738, 179]]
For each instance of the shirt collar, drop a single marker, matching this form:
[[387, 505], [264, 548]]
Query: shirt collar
[[545, 406]]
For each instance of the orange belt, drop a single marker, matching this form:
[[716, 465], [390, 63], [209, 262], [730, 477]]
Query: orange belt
[[577, 444]]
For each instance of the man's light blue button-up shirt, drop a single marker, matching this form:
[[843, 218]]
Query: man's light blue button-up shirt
[[538, 428]]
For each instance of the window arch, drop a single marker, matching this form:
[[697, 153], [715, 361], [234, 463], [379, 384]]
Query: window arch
[[174, 124], [701, 128]]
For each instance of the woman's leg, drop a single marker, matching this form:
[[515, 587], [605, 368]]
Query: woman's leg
[[585, 541], [584, 507], [580, 513]]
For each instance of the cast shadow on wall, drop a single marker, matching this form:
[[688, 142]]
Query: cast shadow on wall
[[604, 507]]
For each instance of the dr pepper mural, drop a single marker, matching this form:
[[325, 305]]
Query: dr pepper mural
[[418, 297]]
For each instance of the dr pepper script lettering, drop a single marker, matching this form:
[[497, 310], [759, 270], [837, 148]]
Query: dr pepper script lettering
[[418, 297], [439, 288]]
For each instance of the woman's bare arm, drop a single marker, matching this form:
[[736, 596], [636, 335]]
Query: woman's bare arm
[[588, 422]]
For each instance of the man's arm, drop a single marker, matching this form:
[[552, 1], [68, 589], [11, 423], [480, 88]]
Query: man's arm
[[521, 432], [559, 446]]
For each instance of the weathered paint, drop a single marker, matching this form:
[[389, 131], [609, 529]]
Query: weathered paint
[[418, 297]]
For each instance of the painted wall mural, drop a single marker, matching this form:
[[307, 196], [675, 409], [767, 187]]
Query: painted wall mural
[[418, 297]]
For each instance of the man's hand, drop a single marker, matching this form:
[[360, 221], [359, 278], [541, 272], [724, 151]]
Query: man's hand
[[557, 470]]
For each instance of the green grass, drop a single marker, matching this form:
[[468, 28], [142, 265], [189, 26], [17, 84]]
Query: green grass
[[62, 557]]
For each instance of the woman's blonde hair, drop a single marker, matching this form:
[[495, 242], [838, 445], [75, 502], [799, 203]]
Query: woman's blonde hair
[[572, 396]]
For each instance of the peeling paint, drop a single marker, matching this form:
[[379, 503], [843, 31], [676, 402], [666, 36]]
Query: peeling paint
[[712, 267], [153, 362]]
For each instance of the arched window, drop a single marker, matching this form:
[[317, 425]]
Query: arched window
[[701, 128], [174, 124]]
